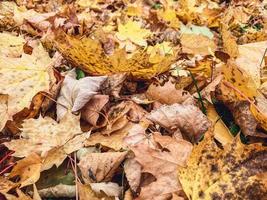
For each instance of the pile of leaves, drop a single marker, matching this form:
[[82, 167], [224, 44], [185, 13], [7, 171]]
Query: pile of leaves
[[133, 99]]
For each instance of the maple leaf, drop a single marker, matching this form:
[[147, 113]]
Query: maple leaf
[[229, 173], [89, 55], [74, 94], [24, 76], [132, 31], [53, 143], [169, 93]]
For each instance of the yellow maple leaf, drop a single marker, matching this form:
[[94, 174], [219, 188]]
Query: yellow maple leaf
[[231, 173], [23, 77], [169, 16], [89, 55], [158, 51], [133, 31]]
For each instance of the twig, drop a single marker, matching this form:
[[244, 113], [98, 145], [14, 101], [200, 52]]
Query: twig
[[76, 176]]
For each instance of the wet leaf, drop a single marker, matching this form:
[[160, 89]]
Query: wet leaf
[[233, 172]]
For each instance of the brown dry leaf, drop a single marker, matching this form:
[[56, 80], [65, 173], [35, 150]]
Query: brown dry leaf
[[229, 173], [88, 55], [119, 116], [74, 94], [113, 141], [188, 118], [91, 110], [221, 132], [28, 169], [229, 42], [197, 44], [3, 111], [167, 93], [21, 196], [85, 193], [102, 166], [162, 165], [133, 173]]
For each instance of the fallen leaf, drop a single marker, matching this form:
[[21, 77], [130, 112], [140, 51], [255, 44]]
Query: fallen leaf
[[85, 193], [197, 44], [5, 185], [58, 191], [133, 31], [3, 111], [250, 58], [28, 169], [188, 118], [24, 76], [120, 114], [74, 94], [114, 141], [133, 173], [88, 55], [102, 166], [92, 110], [221, 132], [230, 173], [167, 93], [11, 45], [57, 140], [229, 42], [114, 84], [162, 165], [109, 188]]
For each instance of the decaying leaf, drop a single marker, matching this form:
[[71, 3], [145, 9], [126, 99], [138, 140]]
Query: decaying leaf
[[230, 173], [188, 118], [101, 166], [74, 94]]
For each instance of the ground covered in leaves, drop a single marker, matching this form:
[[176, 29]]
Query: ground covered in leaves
[[133, 99]]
